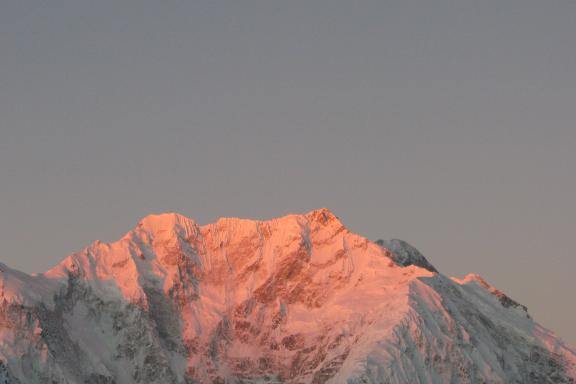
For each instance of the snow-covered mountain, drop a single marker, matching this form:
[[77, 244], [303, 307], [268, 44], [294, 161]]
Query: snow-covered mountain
[[297, 299]]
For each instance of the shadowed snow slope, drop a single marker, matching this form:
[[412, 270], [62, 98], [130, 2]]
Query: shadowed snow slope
[[296, 299]]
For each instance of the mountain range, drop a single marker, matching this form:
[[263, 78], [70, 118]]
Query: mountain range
[[295, 299]]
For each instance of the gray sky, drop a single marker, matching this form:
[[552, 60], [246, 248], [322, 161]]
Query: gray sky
[[448, 123]]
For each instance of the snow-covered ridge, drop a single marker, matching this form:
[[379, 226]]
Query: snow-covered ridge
[[295, 299]]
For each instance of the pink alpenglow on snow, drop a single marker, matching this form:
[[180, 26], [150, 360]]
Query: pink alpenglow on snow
[[295, 299]]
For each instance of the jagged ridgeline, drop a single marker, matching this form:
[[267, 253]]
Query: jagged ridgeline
[[296, 299]]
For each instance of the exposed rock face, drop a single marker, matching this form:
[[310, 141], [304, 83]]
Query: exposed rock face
[[298, 299], [404, 254]]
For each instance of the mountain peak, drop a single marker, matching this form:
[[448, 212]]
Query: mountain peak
[[506, 300], [163, 221], [323, 216], [166, 225], [405, 254]]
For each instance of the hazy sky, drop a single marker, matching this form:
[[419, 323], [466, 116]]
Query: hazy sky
[[448, 123]]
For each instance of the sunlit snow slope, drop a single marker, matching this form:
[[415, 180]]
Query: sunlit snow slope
[[297, 299]]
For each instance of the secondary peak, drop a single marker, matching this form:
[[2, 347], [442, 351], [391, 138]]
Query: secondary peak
[[165, 221]]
